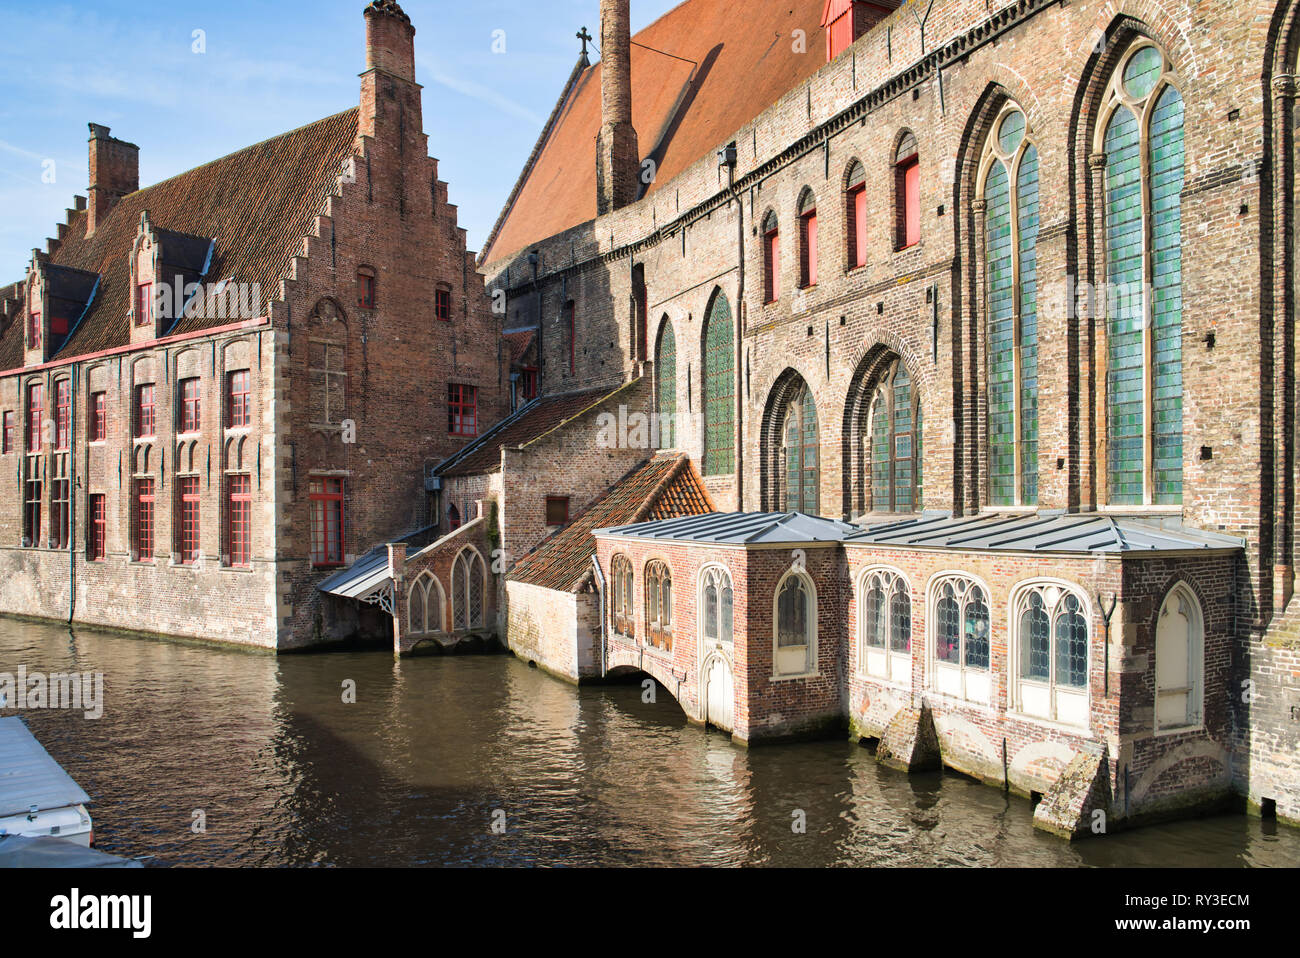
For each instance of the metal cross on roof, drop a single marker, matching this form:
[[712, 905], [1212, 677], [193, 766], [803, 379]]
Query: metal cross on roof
[[585, 37]]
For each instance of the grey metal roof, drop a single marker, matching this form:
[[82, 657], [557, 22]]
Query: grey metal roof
[[369, 574], [1057, 532], [29, 776], [738, 528]]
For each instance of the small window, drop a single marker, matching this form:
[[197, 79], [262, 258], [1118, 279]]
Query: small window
[[468, 590], [771, 259], [7, 434], [32, 488], [717, 606], [1180, 661], [366, 288], [60, 513], [239, 520], [659, 606], [622, 604], [1051, 667], [856, 216], [98, 417], [528, 383], [462, 410], [144, 498], [189, 393], [144, 411], [326, 522], [961, 638], [327, 368], [570, 323], [35, 412], [97, 532], [187, 519], [239, 411], [62, 414], [808, 240], [453, 517], [796, 630], [885, 613], [442, 304], [907, 193], [144, 304], [34, 330], [557, 510]]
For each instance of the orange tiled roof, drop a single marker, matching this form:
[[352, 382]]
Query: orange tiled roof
[[517, 344], [256, 204], [699, 73], [666, 487]]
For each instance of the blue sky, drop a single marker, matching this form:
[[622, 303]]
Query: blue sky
[[269, 66]]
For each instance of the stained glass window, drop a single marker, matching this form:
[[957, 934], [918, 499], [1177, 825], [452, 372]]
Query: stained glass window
[[666, 384], [800, 453], [719, 390], [1053, 638], [895, 444], [962, 624]]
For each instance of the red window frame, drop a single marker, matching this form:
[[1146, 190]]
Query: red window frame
[[32, 492], [98, 417], [858, 226], [771, 265], [239, 520], [453, 518], [35, 410], [60, 512], [34, 329], [442, 304], [808, 238], [528, 382], [908, 184], [145, 424], [187, 519], [7, 433], [365, 290], [462, 410], [62, 414], [327, 514], [142, 533], [239, 409], [143, 304], [839, 34], [98, 532], [557, 510], [190, 396]]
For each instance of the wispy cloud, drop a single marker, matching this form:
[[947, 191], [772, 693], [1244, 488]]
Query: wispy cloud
[[478, 91]]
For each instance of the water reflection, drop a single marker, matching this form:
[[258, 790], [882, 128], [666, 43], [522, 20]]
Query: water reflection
[[436, 752]]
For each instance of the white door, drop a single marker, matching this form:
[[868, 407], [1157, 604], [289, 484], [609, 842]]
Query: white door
[[718, 694]]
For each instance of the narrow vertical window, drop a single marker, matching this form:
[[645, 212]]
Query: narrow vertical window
[[622, 605], [144, 500], [469, 588], [442, 304], [717, 606], [32, 489], [35, 413], [462, 410], [907, 193], [666, 384], [60, 506], [327, 371], [719, 389], [1144, 175], [771, 259], [62, 414], [640, 319], [800, 453], [895, 433], [34, 329], [569, 320], [366, 288], [326, 522], [189, 411], [453, 517], [886, 604], [1050, 674], [239, 409], [1180, 661], [144, 304], [796, 616], [98, 417], [855, 209], [1010, 192], [7, 435], [659, 606], [187, 500], [528, 383], [808, 240], [239, 520], [144, 411], [961, 638], [97, 529]]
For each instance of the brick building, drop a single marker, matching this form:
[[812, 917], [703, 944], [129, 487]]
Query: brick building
[[208, 388], [1003, 293]]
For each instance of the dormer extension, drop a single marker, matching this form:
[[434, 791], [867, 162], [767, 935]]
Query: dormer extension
[[56, 299], [168, 270]]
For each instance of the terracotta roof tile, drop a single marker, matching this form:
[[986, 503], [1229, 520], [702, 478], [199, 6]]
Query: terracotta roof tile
[[256, 204], [699, 74], [517, 344], [666, 487]]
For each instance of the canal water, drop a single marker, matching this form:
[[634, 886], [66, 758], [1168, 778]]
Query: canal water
[[484, 761]]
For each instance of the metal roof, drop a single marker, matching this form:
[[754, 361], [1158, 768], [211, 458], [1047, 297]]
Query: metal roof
[[29, 776], [1057, 532], [738, 528], [369, 574]]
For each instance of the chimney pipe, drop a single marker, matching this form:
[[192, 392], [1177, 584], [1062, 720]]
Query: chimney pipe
[[617, 155], [114, 172], [390, 40]]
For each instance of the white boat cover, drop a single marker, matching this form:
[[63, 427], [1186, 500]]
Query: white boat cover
[[29, 776]]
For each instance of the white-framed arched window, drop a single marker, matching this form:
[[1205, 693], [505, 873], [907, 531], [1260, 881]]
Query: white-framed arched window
[[622, 607], [794, 618], [425, 605], [1140, 139], [1009, 189], [960, 633], [468, 590], [1180, 662], [716, 607], [885, 625], [1050, 639]]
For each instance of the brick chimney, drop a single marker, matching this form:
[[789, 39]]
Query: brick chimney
[[617, 156], [114, 172], [390, 39]]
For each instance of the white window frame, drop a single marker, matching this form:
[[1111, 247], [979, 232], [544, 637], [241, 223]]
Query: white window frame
[[885, 664], [958, 681], [707, 644], [1195, 689], [1033, 698], [810, 649]]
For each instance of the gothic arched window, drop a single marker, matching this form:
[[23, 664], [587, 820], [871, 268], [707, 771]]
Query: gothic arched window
[[1142, 139], [799, 453], [716, 605], [807, 240], [1051, 670], [886, 617], [622, 605], [719, 389], [795, 651], [659, 605], [1010, 192], [960, 612], [1180, 661], [895, 438], [468, 589], [666, 383]]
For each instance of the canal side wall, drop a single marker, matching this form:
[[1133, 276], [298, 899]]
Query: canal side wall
[[557, 631], [1266, 695]]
